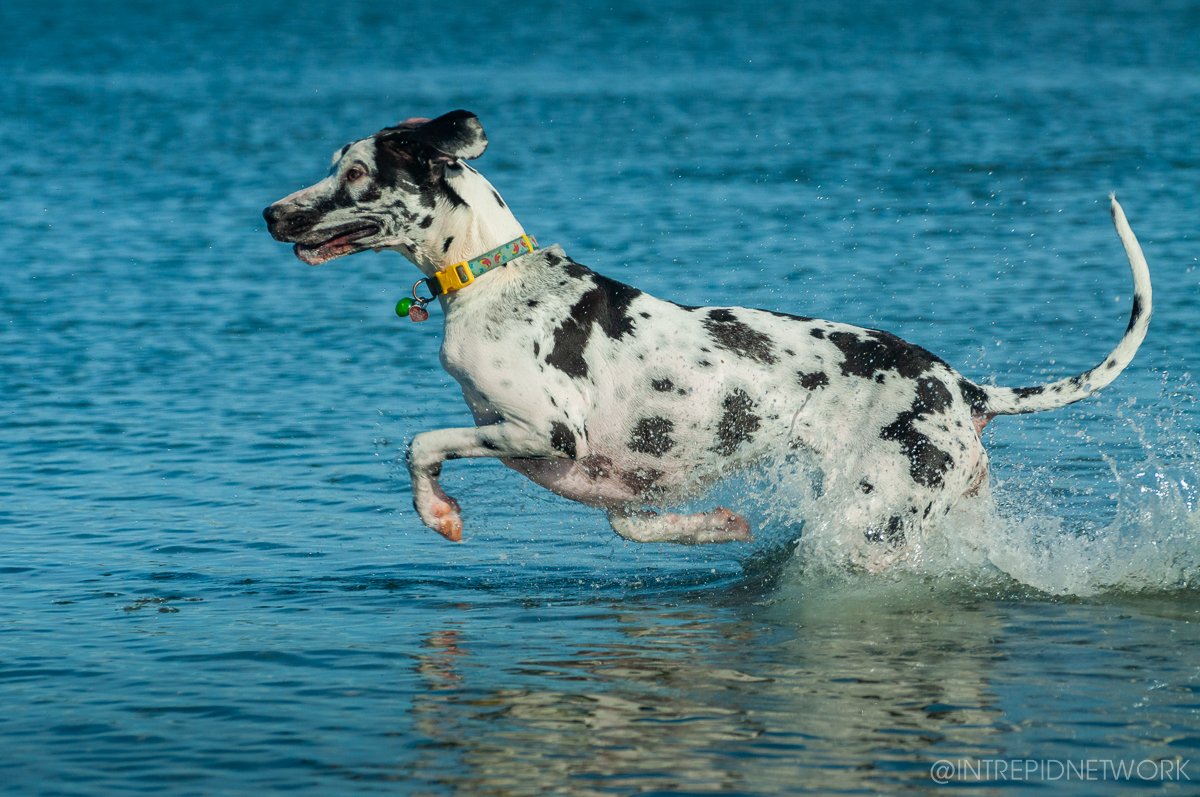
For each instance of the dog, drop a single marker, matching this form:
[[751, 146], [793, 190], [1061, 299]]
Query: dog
[[613, 398]]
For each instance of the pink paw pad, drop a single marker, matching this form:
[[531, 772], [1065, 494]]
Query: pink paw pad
[[448, 520]]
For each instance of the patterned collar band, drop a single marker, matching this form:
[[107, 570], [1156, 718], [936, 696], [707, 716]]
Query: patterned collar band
[[460, 275]]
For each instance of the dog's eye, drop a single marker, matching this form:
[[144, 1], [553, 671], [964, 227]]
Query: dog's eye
[[354, 174]]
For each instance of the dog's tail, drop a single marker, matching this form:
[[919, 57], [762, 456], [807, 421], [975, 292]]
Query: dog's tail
[[1014, 401]]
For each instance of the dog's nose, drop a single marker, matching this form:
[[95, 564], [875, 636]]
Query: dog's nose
[[276, 216], [285, 219]]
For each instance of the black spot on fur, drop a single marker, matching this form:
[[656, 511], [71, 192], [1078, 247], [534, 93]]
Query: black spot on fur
[[703, 363], [738, 424], [816, 333], [452, 195], [537, 348], [732, 335], [788, 315], [876, 351], [893, 535], [489, 445], [652, 436], [1136, 314], [573, 269], [532, 303], [499, 201], [641, 481], [927, 463], [1111, 364], [974, 395], [789, 352], [446, 244], [596, 466], [644, 315], [561, 438], [814, 380], [428, 196], [426, 222], [932, 397], [662, 385], [866, 487], [616, 321], [607, 304]]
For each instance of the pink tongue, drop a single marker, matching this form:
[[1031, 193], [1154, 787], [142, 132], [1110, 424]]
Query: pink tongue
[[326, 251], [310, 256]]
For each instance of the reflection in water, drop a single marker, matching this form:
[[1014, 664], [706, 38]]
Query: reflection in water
[[702, 700], [437, 667]]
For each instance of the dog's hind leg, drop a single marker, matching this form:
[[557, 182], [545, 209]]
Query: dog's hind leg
[[720, 525]]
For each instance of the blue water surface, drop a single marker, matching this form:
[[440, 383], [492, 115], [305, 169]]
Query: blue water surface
[[212, 581]]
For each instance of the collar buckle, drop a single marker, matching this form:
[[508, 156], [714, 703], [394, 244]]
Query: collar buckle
[[460, 275], [457, 276]]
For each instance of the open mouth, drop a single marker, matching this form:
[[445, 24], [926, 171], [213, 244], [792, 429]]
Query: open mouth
[[344, 241]]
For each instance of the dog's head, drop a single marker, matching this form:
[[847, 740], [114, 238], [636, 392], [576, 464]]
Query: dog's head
[[386, 191]]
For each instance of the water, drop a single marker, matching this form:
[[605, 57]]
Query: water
[[212, 581]]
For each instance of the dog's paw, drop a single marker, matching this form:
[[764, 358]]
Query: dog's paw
[[439, 512], [721, 525], [447, 519]]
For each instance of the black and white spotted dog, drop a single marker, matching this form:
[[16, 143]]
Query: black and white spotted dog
[[611, 397]]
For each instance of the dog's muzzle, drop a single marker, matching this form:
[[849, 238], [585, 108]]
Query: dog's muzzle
[[314, 244], [285, 223]]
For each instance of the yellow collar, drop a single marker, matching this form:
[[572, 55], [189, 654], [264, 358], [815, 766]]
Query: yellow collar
[[460, 275]]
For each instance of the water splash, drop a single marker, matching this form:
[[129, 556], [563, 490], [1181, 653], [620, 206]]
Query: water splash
[[1151, 545], [1027, 532]]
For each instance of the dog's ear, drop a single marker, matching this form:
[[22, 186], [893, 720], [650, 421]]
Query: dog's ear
[[457, 134]]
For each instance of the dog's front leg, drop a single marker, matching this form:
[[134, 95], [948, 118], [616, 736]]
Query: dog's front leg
[[429, 450]]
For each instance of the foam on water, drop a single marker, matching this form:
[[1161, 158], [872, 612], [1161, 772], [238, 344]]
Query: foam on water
[[1152, 544], [1021, 533]]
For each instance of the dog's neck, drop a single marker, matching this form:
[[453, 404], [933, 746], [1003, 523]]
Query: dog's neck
[[459, 232]]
